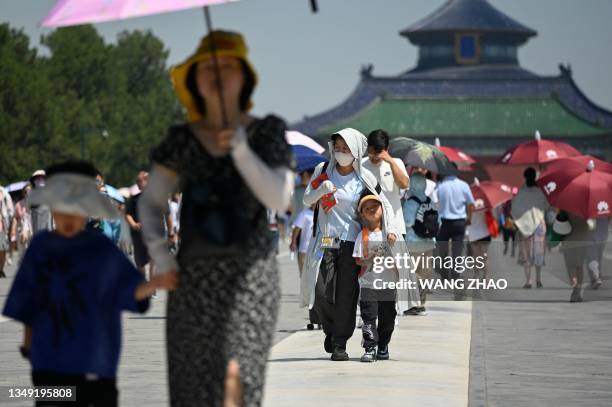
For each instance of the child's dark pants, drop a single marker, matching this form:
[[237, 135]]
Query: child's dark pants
[[101, 392], [381, 335]]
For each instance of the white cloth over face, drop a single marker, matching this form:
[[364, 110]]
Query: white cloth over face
[[73, 194], [528, 209]]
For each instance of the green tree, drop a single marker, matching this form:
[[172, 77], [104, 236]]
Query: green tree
[[23, 88], [49, 104]]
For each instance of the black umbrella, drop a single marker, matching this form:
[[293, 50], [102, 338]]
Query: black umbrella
[[419, 154]]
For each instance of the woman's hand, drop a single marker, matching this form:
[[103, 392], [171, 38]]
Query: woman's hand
[[167, 281], [219, 143], [391, 238], [327, 187]]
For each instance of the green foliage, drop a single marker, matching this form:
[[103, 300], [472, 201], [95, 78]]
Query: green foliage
[[58, 106]]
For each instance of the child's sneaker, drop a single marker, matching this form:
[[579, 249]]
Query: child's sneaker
[[596, 284], [383, 353], [369, 355]]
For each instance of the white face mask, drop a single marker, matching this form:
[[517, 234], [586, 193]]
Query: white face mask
[[344, 159]]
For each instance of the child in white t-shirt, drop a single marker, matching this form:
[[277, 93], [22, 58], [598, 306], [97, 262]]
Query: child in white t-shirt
[[300, 239], [301, 235], [376, 301]]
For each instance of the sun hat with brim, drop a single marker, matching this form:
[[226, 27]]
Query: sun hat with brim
[[37, 174], [228, 44], [561, 225], [366, 199], [73, 194]]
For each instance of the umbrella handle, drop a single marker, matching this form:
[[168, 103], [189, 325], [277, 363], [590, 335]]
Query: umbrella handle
[[213, 47], [314, 6]]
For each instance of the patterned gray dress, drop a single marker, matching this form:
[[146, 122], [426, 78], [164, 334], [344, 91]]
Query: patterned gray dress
[[227, 301]]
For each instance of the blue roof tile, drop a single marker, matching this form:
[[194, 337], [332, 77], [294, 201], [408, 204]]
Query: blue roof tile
[[479, 15]]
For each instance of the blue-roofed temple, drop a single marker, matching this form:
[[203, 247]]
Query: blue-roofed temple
[[469, 89]]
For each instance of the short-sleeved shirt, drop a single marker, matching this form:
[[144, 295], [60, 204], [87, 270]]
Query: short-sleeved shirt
[[453, 197], [218, 209], [377, 248], [343, 221], [304, 221], [71, 291], [430, 191], [384, 176], [375, 241]]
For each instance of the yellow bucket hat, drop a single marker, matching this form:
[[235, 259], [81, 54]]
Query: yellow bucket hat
[[228, 44], [366, 199]]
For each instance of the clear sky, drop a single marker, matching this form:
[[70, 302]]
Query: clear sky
[[308, 63]]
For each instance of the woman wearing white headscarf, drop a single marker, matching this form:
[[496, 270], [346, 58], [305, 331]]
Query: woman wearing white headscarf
[[330, 278]]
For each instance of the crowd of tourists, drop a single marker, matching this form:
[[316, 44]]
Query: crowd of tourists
[[206, 222]]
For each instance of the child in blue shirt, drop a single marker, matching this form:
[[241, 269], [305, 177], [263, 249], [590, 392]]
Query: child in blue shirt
[[70, 290]]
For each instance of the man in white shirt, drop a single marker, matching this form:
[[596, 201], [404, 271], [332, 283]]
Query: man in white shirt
[[389, 172]]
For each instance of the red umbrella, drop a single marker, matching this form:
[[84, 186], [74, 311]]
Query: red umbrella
[[537, 151], [455, 155], [581, 161], [489, 194], [583, 191]]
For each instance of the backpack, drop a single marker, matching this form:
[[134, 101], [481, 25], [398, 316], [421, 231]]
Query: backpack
[[426, 221]]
